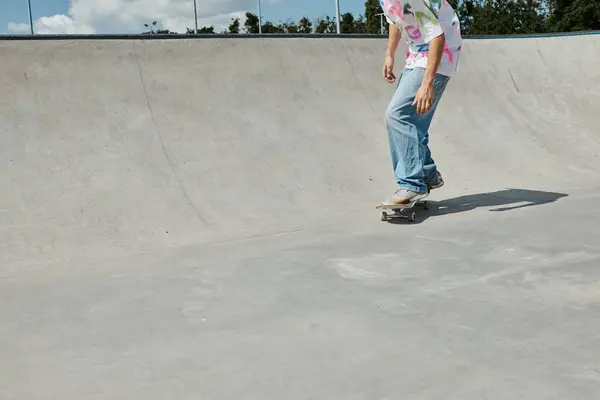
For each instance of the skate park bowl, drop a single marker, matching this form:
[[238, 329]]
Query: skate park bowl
[[195, 218]]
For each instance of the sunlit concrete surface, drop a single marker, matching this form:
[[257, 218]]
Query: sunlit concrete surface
[[195, 219]]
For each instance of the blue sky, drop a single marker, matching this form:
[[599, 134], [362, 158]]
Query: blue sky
[[16, 10], [95, 19]]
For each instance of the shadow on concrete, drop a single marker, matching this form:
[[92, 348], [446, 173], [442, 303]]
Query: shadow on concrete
[[502, 200]]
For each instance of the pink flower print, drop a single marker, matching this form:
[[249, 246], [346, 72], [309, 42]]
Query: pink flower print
[[450, 55], [413, 32], [395, 8]]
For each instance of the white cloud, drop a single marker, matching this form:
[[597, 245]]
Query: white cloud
[[129, 16], [60, 24], [18, 28]]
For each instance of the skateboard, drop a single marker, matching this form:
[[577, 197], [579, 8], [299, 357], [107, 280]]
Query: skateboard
[[399, 208]]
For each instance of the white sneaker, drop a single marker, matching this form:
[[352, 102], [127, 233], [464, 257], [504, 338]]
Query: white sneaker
[[405, 196]]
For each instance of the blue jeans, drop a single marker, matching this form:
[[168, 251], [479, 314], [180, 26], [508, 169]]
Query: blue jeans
[[408, 132]]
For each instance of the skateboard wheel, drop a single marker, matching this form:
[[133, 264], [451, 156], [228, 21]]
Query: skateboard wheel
[[383, 216], [413, 217]]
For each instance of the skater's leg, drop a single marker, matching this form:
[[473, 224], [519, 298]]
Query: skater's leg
[[407, 158], [408, 131], [430, 167]]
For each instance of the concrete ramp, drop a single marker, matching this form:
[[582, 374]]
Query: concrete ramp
[[113, 147], [196, 219], [118, 146]]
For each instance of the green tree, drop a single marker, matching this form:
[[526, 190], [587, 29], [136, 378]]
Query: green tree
[[346, 23], [373, 21], [531, 16], [289, 26], [464, 9], [325, 25], [234, 27], [574, 15], [206, 29], [269, 27], [505, 17], [304, 26], [150, 27], [202, 29], [558, 10], [360, 25], [251, 24]]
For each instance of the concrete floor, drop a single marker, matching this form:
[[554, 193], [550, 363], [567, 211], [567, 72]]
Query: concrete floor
[[195, 219]]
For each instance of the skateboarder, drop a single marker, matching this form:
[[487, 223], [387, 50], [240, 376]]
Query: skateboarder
[[431, 29]]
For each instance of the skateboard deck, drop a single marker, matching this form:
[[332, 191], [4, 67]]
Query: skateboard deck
[[398, 209]]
